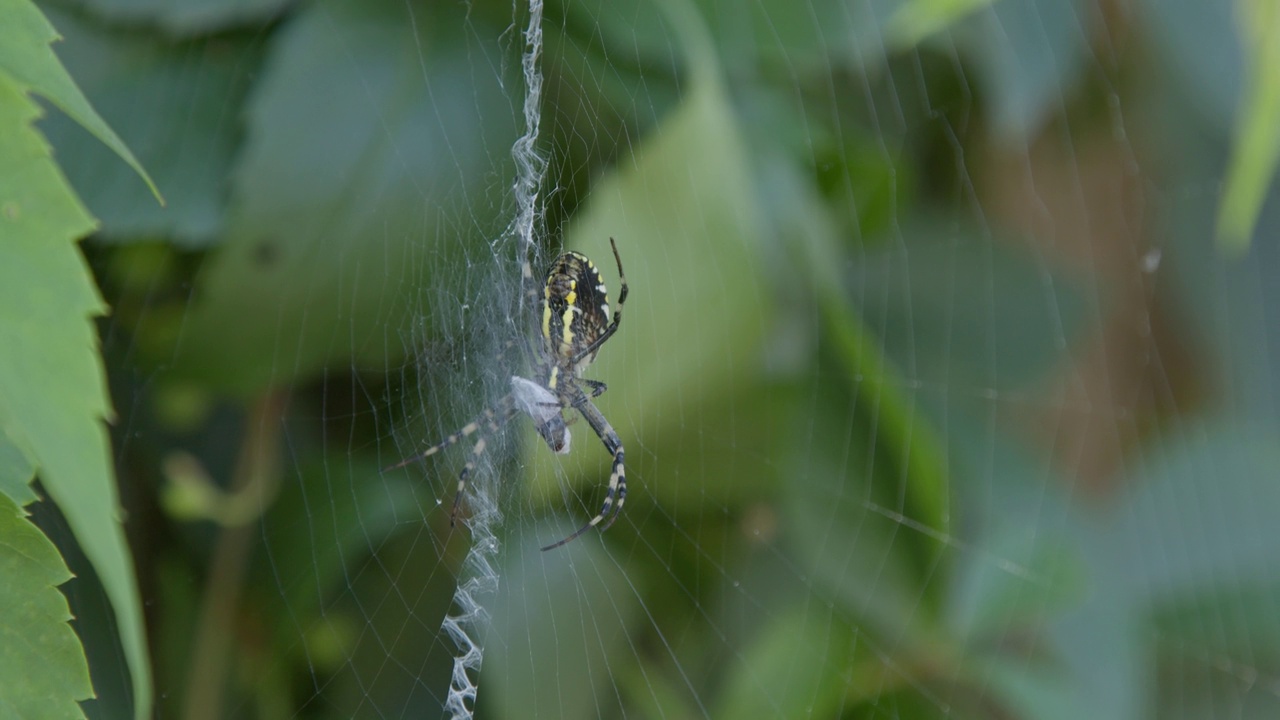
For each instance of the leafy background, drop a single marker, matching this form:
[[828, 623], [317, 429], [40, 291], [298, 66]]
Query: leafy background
[[947, 378]]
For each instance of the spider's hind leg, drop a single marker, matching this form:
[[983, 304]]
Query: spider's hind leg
[[616, 494]]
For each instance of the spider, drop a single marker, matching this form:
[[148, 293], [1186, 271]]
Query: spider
[[574, 323]]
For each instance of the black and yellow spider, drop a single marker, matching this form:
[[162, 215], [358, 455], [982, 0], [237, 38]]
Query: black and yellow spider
[[574, 323]]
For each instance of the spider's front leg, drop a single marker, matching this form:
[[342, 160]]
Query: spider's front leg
[[491, 420], [617, 492], [597, 387]]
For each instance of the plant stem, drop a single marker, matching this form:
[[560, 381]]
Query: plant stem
[[257, 471]]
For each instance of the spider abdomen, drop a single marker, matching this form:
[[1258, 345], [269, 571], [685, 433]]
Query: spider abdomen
[[575, 308]]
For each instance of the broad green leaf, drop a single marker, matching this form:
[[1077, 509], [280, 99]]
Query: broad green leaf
[[559, 629], [1256, 150], [1098, 648], [800, 665], [177, 105], [680, 207], [1021, 576], [1228, 619], [844, 520], [1212, 645], [1030, 688], [188, 17], [916, 20], [825, 34], [1222, 476], [1038, 598], [27, 58], [1197, 45], [1029, 54], [954, 307], [43, 673], [325, 522], [1023, 566], [889, 424], [362, 184], [53, 396], [16, 473], [766, 34]]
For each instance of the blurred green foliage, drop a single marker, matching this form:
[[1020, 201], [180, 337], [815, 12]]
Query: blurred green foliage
[[875, 466]]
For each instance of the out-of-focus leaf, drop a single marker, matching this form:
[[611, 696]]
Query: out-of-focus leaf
[[1257, 140], [27, 58], [681, 210], [573, 617], [865, 531], [959, 310], [1023, 575], [1219, 650], [592, 101], [1088, 662], [43, 672], [904, 446], [844, 519], [1232, 628], [770, 33], [1201, 515], [826, 34], [188, 17], [1099, 646], [53, 396], [1027, 688], [915, 20], [323, 524], [1028, 54], [798, 666], [362, 174], [1198, 45], [177, 105], [1070, 642]]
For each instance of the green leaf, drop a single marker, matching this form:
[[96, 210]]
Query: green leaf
[[177, 105], [322, 525], [16, 473], [1221, 475], [1029, 54], [188, 17], [1022, 575], [879, 421], [916, 20], [25, 56], [53, 395], [959, 308], [1037, 599], [680, 207], [798, 666], [827, 34], [575, 611], [865, 486], [1256, 150], [361, 175], [43, 673]]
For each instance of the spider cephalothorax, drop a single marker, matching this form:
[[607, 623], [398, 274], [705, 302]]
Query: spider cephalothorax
[[573, 311]]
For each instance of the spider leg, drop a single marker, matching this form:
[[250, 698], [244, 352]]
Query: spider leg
[[494, 423], [597, 387], [491, 420], [617, 477]]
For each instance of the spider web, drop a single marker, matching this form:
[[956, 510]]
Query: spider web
[[939, 398]]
